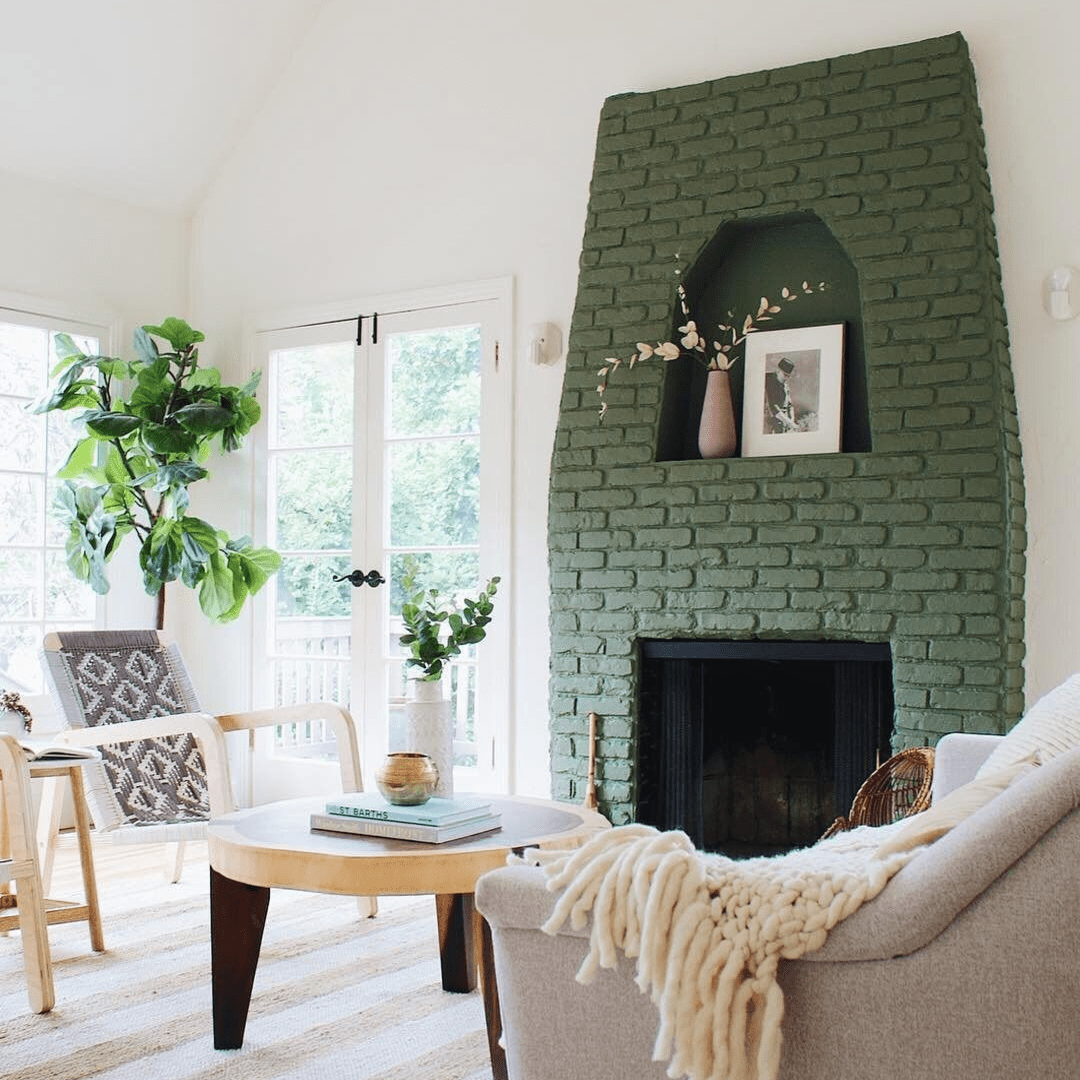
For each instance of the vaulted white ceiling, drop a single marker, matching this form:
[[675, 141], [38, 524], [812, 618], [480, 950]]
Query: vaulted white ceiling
[[138, 100]]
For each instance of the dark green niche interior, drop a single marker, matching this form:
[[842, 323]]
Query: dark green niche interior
[[743, 262]]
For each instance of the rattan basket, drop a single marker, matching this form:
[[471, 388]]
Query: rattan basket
[[896, 789]]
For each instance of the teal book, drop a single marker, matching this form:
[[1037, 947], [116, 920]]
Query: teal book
[[371, 806]]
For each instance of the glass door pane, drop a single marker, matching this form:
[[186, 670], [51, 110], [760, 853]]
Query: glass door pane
[[432, 476], [309, 494]]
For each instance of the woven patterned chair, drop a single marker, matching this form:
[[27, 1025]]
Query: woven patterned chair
[[165, 762], [896, 789], [19, 864]]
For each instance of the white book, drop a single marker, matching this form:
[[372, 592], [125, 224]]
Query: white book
[[39, 750], [399, 830]]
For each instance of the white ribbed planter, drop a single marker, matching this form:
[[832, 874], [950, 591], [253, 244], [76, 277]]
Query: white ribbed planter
[[429, 730], [12, 723]]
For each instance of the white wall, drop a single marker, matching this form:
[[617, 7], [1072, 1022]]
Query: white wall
[[414, 144], [84, 255]]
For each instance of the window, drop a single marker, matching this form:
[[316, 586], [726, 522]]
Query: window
[[37, 591]]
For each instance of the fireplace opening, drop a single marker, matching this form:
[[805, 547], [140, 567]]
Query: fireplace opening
[[755, 747]]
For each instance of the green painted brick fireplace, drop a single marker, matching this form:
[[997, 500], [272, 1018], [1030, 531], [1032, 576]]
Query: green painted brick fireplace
[[916, 539]]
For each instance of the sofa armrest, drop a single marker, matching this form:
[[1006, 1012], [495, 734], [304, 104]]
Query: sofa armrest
[[957, 758], [517, 897], [920, 901], [930, 891]]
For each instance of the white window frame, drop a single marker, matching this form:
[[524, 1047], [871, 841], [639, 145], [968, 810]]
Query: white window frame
[[53, 315], [496, 500]]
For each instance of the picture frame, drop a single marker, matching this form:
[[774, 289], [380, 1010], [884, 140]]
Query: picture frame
[[792, 391]]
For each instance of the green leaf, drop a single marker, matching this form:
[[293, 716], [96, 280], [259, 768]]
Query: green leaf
[[110, 425], [81, 458], [256, 565], [204, 379], [110, 366], [204, 418], [200, 541], [115, 471], [177, 333], [155, 375], [216, 594], [66, 349], [87, 499], [241, 592], [145, 346], [178, 474], [69, 393], [168, 440], [161, 554], [200, 533]]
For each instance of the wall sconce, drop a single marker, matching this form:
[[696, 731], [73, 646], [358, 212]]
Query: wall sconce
[[545, 343], [1061, 293]]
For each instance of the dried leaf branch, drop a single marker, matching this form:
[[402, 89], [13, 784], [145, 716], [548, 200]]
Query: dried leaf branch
[[725, 352]]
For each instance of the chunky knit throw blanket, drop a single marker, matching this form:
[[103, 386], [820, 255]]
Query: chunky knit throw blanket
[[709, 932]]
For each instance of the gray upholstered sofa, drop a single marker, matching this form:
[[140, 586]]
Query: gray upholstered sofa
[[966, 966]]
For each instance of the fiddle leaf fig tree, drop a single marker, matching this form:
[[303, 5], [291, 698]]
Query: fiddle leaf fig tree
[[151, 425]]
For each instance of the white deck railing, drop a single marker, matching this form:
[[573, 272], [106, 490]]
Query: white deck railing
[[312, 662]]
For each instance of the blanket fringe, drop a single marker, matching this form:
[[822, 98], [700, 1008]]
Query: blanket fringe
[[709, 932]]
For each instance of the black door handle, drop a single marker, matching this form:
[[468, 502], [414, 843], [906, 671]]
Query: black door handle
[[358, 578]]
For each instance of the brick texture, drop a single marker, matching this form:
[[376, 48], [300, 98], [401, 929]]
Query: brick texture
[[919, 542]]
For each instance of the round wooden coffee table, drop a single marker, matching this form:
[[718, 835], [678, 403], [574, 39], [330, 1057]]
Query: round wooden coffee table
[[273, 847]]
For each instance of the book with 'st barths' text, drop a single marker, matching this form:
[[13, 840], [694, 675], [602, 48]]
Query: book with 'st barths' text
[[400, 830], [371, 806]]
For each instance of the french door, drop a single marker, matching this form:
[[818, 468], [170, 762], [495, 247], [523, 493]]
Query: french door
[[387, 439]]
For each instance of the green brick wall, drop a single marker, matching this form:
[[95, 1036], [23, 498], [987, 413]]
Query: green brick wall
[[920, 542]]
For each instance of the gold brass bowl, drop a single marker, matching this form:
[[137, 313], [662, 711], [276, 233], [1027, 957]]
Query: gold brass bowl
[[406, 778]]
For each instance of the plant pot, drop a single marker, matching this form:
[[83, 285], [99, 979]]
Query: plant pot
[[429, 729], [12, 723], [717, 434]]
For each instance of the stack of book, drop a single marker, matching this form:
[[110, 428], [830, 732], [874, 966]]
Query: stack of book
[[433, 822]]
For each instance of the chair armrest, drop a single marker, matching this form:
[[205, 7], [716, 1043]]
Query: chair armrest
[[204, 727], [348, 740], [957, 758]]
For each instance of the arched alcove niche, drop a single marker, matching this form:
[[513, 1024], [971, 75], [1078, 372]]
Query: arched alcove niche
[[744, 261]]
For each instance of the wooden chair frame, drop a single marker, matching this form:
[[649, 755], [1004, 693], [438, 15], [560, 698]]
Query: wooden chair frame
[[22, 868]]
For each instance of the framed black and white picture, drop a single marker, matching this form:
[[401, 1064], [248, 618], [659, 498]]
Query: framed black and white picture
[[792, 391]]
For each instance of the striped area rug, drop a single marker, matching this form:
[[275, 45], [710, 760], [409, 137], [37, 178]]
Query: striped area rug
[[335, 996]]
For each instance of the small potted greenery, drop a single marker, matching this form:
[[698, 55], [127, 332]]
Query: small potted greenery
[[436, 630]]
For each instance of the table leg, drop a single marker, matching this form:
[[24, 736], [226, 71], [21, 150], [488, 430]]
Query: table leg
[[237, 918], [490, 993], [457, 943]]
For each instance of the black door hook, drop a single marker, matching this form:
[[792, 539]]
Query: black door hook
[[358, 578]]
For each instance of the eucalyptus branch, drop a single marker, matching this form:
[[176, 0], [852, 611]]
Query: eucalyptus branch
[[436, 629]]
